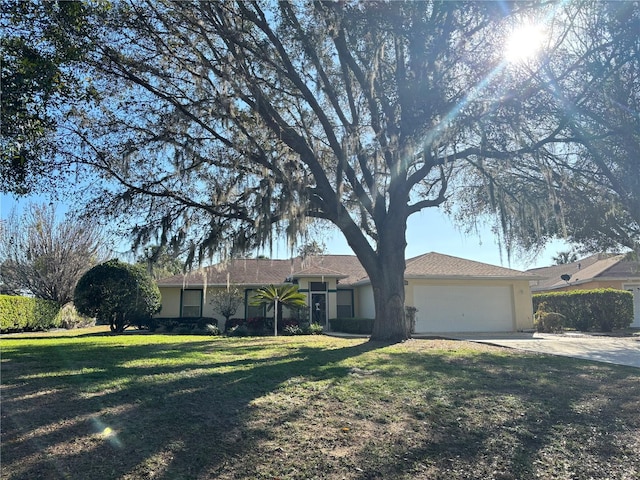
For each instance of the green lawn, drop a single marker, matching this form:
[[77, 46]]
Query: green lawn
[[143, 406]]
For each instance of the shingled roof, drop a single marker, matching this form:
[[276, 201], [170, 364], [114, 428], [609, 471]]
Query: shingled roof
[[437, 265], [598, 267], [346, 268]]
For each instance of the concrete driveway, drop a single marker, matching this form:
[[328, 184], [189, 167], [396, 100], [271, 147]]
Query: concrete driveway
[[600, 348]]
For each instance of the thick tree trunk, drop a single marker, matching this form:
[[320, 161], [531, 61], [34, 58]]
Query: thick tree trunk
[[387, 282], [385, 267], [388, 293]]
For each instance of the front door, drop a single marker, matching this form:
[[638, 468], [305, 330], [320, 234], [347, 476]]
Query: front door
[[319, 308]]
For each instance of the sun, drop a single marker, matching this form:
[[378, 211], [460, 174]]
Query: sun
[[524, 42]]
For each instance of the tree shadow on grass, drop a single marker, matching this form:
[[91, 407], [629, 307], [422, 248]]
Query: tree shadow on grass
[[216, 409], [126, 418], [497, 419]]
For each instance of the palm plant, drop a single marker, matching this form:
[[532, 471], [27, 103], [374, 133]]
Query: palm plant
[[273, 296]]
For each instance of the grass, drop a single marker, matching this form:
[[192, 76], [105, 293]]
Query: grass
[[142, 406]]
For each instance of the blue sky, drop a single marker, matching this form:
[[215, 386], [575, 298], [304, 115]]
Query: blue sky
[[432, 231], [428, 231]]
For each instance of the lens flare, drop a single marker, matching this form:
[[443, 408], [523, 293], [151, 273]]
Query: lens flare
[[524, 42]]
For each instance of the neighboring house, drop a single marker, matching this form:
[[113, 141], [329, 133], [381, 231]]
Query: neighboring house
[[451, 294], [597, 271]]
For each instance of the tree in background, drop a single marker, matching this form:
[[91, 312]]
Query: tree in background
[[312, 249], [227, 302], [118, 294], [276, 297], [46, 256], [562, 258], [160, 262]]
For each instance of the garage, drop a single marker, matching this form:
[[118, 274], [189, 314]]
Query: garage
[[464, 308]]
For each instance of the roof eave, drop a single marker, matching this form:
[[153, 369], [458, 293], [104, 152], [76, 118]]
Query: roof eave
[[217, 285], [319, 275]]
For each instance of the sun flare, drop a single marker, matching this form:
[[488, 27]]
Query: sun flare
[[524, 43]]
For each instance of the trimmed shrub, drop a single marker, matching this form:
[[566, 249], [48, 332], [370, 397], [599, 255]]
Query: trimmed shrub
[[238, 331], [250, 326], [313, 329], [69, 318], [256, 326], [259, 325], [212, 330], [293, 330], [233, 322], [118, 294], [352, 325], [599, 310], [19, 314], [183, 325], [548, 322]]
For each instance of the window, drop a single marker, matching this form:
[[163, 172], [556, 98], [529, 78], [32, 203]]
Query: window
[[318, 286], [344, 303], [192, 303], [254, 311]]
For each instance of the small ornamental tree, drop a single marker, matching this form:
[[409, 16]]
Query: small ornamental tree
[[273, 296], [227, 302], [117, 293]]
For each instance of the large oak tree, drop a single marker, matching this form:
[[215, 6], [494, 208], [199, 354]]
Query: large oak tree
[[222, 123]]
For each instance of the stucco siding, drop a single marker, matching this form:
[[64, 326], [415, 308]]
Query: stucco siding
[[634, 288], [170, 303], [366, 307], [523, 305]]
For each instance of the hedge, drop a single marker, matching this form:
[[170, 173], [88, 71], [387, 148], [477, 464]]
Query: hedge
[[600, 310], [352, 325], [18, 314], [181, 324], [258, 325]]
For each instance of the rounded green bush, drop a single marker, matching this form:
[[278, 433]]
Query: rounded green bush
[[118, 294]]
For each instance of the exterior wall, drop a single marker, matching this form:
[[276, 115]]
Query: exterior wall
[[208, 310], [170, 302], [345, 298], [634, 287], [523, 305], [365, 305]]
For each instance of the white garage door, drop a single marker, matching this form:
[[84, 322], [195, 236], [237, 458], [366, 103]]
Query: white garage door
[[463, 309]]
